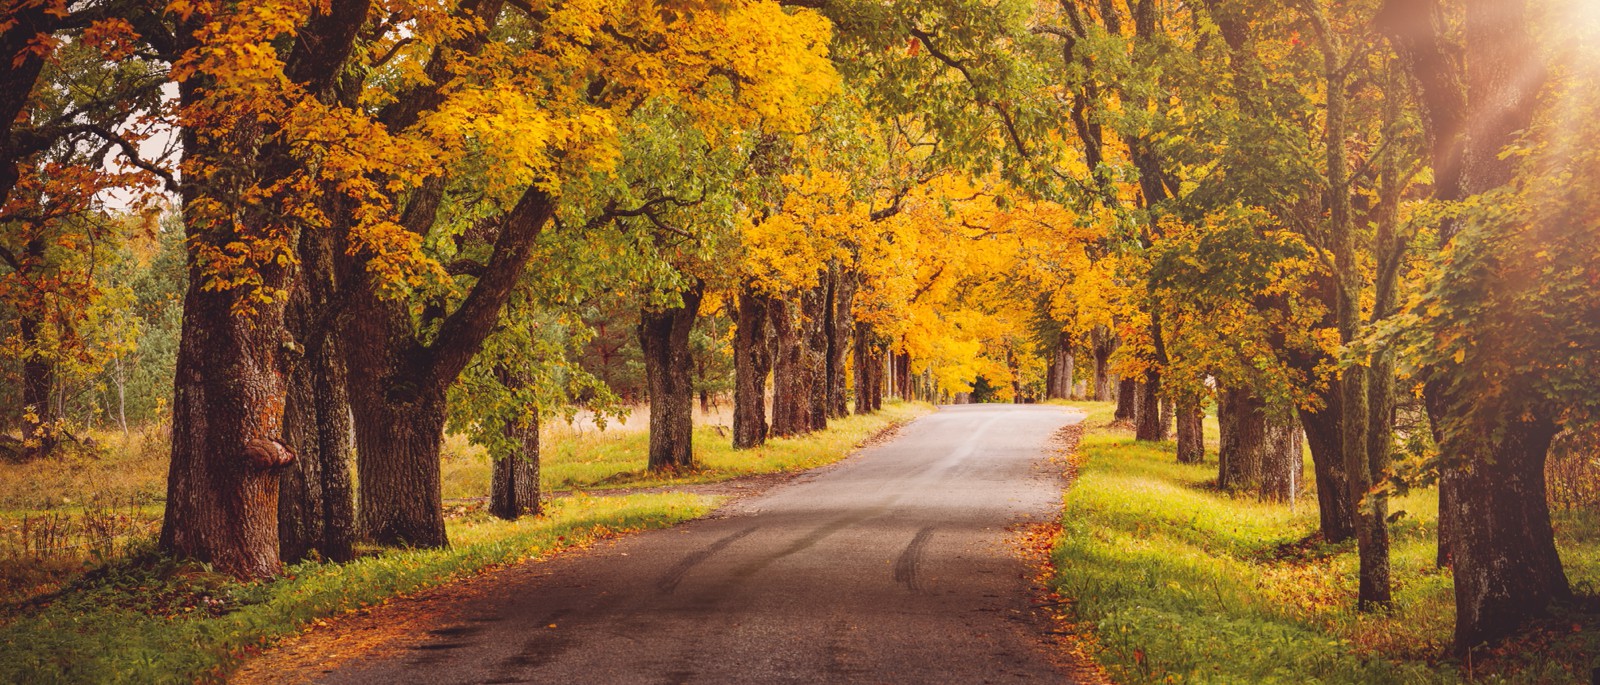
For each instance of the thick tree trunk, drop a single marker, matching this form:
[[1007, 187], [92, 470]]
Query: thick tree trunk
[[1150, 426], [1127, 400], [398, 383], [227, 431], [1507, 570], [664, 340], [752, 363], [316, 502], [1241, 416], [398, 438], [40, 425], [1336, 512], [1068, 371], [840, 331], [814, 307], [1282, 460], [1105, 344], [514, 482], [1191, 433], [791, 391], [866, 363]]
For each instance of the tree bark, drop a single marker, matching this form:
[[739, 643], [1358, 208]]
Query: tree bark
[[1127, 400], [316, 505], [1282, 460], [1150, 425], [514, 483], [841, 330], [752, 363], [791, 391], [866, 365], [664, 339], [227, 449], [1191, 433], [1241, 416], [815, 307], [40, 430], [1105, 344], [1507, 569], [1337, 518]]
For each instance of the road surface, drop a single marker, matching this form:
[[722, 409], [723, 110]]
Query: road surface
[[891, 567]]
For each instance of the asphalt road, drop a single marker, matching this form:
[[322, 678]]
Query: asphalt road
[[890, 567]]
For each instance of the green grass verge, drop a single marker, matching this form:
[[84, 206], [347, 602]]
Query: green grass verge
[[166, 623], [596, 460], [1180, 583]]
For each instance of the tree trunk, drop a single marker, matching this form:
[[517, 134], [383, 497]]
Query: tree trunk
[[398, 382], [1242, 419], [227, 412], [664, 340], [1127, 400], [1507, 570], [752, 362], [840, 332], [866, 363], [903, 366], [1191, 433], [790, 390], [398, 439], [316, 505], [815, 307], [1336, 511], [1150, 426], [514, 483], [41, 423], [1105, 344], [876, 390], [1064, 390], [1282, 460]]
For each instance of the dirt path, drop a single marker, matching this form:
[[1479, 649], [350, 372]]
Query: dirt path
[[896, 565]]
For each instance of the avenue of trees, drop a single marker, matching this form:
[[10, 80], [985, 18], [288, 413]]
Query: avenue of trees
[[313, 237]]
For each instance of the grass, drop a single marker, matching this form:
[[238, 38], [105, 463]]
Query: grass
[[1181, 583], [159, 622], [119, 613], [587, 459]]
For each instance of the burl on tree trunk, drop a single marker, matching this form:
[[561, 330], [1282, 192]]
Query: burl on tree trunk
[[227, 412], [664, 340]]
